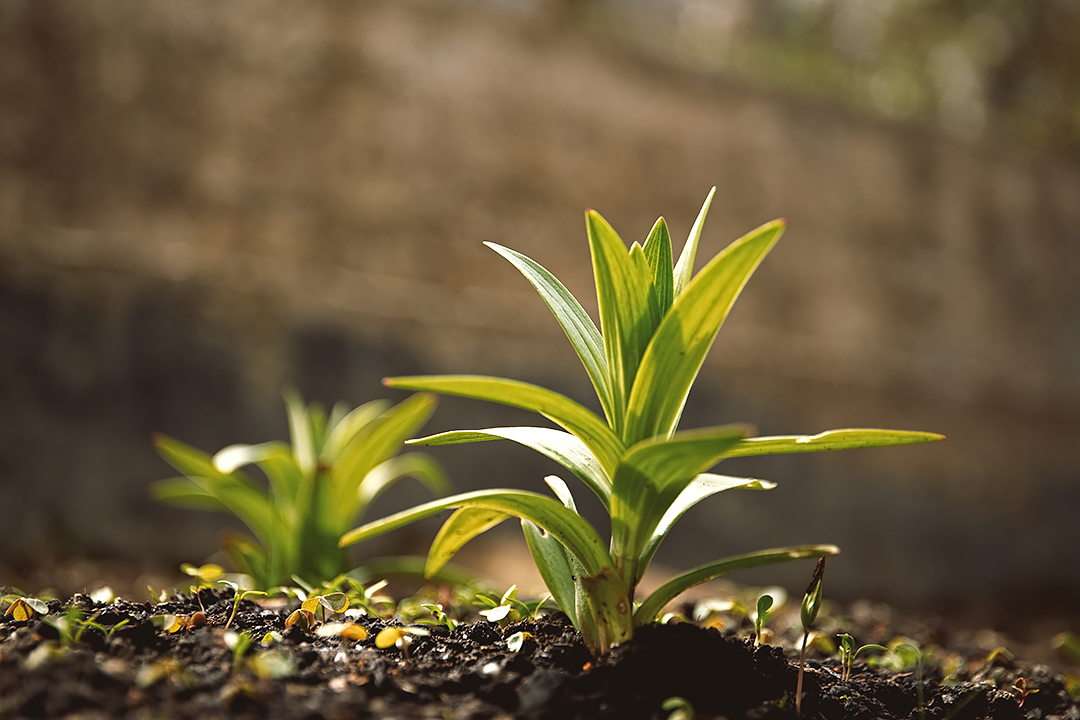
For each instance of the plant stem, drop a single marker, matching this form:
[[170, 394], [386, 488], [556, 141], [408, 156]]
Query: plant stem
[[802, 665]]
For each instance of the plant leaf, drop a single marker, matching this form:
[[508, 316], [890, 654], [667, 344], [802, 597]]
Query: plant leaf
[[560, 409], [703, 486], [562, 447], [235, 491], [303, 444], [575, 322], [829, 440], [658, 252], [622, 292], [276, 461], [554, 567], [181, 492], [684, 270], [651, 477], [415, 465], [655, 603], [673, 359], [366, 451], [348, 427], [567, 527], [462, 526]]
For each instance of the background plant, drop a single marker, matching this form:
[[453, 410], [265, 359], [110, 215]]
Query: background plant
[[657, 323], [318, 486]]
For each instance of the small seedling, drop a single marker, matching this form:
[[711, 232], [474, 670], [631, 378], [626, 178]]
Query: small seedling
[[657, 323], [508, 609], [1023, 688], [764, 604], [808, 613], [238, 596], [315, 488], [335, 602], [399, 636], [24, 608], [679, 709], [175, 623], [439, 616], [302, 619], [848, 653]]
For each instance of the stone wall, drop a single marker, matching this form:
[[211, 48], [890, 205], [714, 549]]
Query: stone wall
[[200, 202]]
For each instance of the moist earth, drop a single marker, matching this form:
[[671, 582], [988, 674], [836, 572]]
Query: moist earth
[[141, 671]]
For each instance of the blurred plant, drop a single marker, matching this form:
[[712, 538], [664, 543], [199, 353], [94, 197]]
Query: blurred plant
[[336, 466], [678, 709], [658, 322]]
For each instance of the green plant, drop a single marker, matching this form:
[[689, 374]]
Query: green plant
[[508, 609], [657, 323], [238, 595], [848, 653], [808, 612], [764, 604], [336, 466], [678, 709]]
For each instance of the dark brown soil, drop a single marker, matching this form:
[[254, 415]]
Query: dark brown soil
[[143, 672]]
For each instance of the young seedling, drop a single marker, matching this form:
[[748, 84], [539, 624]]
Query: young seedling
[[23, 608], [399, 636], [657, 323], [238, 596], [335, 467], [678, 709], [764, 604], [848, 653], [438, 616], [808, 613]]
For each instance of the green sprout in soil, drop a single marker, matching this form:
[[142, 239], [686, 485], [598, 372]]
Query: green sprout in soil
[[848, 653], [508, 609], [764, 604], [657, 323], [335, 467], [808, 613]]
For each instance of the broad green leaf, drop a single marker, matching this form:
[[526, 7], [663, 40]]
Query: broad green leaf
[[829, 440], [648, 611], [649, 480], [567, 527], [673, 359], [560, 409], [622, 293], [701, 487], [276, 461], [575, 322], [562, 447], [182, 492], [554, 567], [684, 270], [462, 526], [370, 449], [658, 252], [348, 427], [235, 490], [415, 465]]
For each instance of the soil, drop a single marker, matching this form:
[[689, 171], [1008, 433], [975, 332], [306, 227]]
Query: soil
[[145, 672]]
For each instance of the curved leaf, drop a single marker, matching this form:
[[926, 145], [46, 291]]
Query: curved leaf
[[554, 567], [560, 409], [370, 449], [651, 477], [701, 487], [461, 527], [829, 440], [344, 430], [562, 447], [658, 252], [575, 322], [655, 603], [684, 270], [276, 461], [181, 492], [566, 526], [673, 358], [622, 293], [415, 465]]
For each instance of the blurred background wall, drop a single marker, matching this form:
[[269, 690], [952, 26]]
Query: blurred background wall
[[201, 202]]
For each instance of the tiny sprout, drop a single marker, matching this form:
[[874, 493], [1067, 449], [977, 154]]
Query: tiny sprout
[[271, 637], [238, 595], [334, 602], [25, 608], [439, 616], [679, 709], [303, 619], [1023, 688], [400, 637], [517, 641], [238, 643], [848, 653], [808, 613], [764, 604], [175, 623]]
